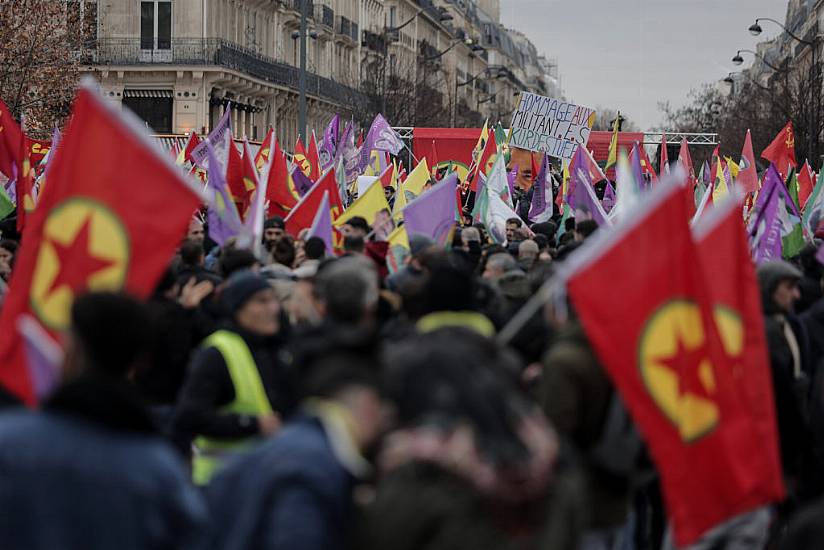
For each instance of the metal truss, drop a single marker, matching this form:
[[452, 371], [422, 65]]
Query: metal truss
[[706, 139]]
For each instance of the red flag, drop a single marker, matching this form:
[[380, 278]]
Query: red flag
[[303, 214], [646, 165], [360, 139], [663, 160], [234, 179], [747, 174], [278, 192], [191, 144], [665, 356], [10, 137], [387, 176], [301, 159], [685, 160], [535, 169], [723, 247], [314, 158], [806, 182], [262, 156], [486, 161], [781, 151], [99, 227]]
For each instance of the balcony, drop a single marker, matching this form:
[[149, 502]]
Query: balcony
[[297, 5], [219, 53], [344, 28], [325, 16]]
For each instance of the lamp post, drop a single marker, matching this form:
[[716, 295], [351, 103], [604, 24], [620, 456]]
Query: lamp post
[[304, 9]]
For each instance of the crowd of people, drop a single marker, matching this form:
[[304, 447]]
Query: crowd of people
[[306, 399]]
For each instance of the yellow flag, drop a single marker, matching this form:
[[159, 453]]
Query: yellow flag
[[613, 144], [367, 206], [721, 188], [734, 168], [417, 179], [374, 166], [398, 249]]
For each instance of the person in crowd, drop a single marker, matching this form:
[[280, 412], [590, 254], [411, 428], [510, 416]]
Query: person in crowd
[[471, 462], [810, 284], [791, 364], [346, 292], [240, 386], [295, 492], [196, 232], [356, 226], [314, 251], [354, 244], [88, 470], [412, 270], [581, 403], [179, 325], [192, 265], [234, 259], [527, 254], [8, 250], [499, 264], [513, 230], [273, 229], [584, 229]]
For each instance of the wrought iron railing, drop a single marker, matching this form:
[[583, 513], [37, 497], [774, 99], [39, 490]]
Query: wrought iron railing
[[219, 52]]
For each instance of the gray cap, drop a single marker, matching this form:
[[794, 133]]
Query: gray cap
[[418, 243], [770, 274]]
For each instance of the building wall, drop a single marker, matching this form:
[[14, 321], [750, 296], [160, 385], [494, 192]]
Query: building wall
[[258, 34]]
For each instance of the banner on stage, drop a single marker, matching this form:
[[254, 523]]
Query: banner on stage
[[553, 126]]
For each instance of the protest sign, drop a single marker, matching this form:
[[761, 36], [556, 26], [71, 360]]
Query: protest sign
[[553, 126]]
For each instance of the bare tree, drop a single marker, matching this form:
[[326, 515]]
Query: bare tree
[[42, 41]]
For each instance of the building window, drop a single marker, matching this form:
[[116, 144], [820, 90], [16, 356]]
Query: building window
[[156, 25], [392, 11]]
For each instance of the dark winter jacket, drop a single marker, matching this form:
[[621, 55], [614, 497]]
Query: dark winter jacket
[[209, 386], [90, 473], [291, 493]]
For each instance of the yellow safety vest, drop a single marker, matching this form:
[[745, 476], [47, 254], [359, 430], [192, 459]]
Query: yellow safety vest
[[250, 399]]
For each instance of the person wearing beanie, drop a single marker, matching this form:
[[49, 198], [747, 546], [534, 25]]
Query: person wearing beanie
[[240, 385], [273, 229], [787, 343]]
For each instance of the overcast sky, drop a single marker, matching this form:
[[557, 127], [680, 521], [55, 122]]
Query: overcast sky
[[631, 54]]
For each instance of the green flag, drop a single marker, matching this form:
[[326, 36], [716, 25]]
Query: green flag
[[6, 206]]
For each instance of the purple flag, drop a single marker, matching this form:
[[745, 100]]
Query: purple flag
[[433, 213], [329, 144], [224, 221], [637, 171], [382, 137], [820, 254], [44, 356], [765, 228], [322, 224], [349, 153], [541, 208], [587, 206], [510, 180], [219, 138], [302, 183], [609, 198], [577, 163], [706, 177]]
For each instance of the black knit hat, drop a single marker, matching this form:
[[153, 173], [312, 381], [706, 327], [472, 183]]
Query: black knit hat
[[241, 287]]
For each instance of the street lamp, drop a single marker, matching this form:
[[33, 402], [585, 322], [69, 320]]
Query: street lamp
[[468, 41], [738, 60], [755, 29]]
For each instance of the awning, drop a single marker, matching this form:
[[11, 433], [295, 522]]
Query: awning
[[148, 93]]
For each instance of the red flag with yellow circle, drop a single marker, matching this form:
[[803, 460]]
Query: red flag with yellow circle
[[103, 222], [642, 298]]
